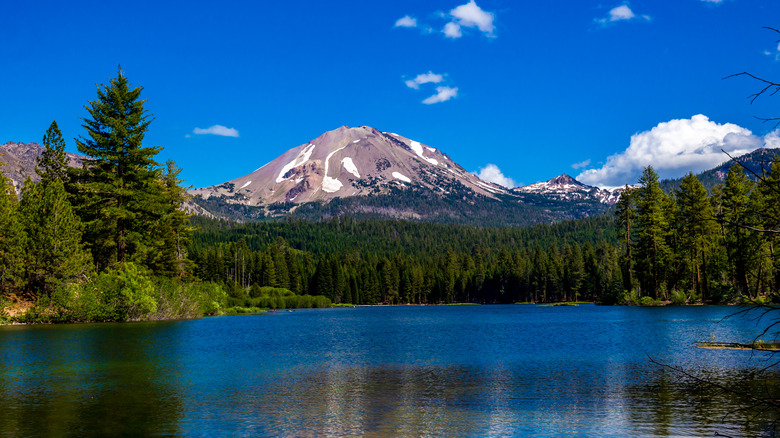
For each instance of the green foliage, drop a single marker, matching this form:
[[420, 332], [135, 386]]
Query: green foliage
[[55, 253], [127, 291], [53, 162], [651, 248], [631, 298], [118, 192], [12, 237], [649, 301], [679, 297]]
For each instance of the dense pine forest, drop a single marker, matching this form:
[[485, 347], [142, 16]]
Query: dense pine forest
[[682, 247]]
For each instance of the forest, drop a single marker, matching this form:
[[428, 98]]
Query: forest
[[686, 246]]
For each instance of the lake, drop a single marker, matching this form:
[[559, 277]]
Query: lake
[[515, 370]]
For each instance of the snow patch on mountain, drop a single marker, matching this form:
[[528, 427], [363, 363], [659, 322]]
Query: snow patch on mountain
[[246, 184], [350, 167], [417, 148], [329, 184], [302, 157], [402, 177]]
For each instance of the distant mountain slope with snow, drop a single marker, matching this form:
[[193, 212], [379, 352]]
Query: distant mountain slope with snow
[[566, 188], [369, 173], [348, 162]]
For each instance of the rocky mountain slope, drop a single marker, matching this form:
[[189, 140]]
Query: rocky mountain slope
[[20, 161], [348, 162], [566, 188], [368, 173]]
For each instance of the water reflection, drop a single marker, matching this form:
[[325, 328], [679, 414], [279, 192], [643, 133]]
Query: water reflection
[[87, 381], [493, 371]]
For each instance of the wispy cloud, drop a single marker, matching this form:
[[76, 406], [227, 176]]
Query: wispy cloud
[[491, 173], [443, 94], [618, 14], [424, 78], [581, 164], [406, 21], [674, 148], [216, 130], [717, 2]]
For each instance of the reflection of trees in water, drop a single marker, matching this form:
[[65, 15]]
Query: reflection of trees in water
[[484, 401], [717, 402], [87, 381]]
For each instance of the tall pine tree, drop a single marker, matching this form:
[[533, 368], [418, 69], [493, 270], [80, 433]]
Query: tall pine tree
[[118, 190], [696, 230], [652, 250]]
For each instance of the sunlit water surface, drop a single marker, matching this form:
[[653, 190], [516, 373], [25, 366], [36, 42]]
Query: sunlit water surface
[[379, 371]]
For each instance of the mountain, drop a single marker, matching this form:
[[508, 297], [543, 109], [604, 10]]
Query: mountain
[[566, 188], [21, 158], [349, 162], [755, 163], [364, 172]]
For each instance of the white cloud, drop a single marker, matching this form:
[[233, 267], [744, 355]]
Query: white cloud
[[443, 94], [217, 130], [491, 173], [620, 13], [713, 1], [469, 15], [406, 21], [452, 30], [674, 148], [424, 78], [581, 164]]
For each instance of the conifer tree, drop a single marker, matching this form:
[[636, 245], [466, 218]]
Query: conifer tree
[[651, 248], [53, 162], [55, 253], [696, 229], [12, 236], [770, 214], [735, 216], [117, 192], [167, 250]]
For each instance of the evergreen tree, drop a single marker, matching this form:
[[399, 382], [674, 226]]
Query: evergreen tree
[[167, 249], [651, 247], [117, 191], [53, 162], [735, 216], [55, 253], [696, 229], [769, 187], [12, 236]]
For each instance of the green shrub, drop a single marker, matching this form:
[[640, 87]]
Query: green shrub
[[632, 298], [679, 298]]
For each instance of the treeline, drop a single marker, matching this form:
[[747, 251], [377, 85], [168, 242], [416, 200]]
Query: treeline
[[710, 247], [105, 242], [372, 261]]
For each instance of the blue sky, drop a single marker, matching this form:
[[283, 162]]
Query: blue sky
[[518, 90]]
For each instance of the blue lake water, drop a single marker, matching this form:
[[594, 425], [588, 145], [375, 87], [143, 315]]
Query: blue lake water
[[517, 370]]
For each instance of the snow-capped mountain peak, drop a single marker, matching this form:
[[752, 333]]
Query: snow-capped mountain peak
[[564, 187]]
